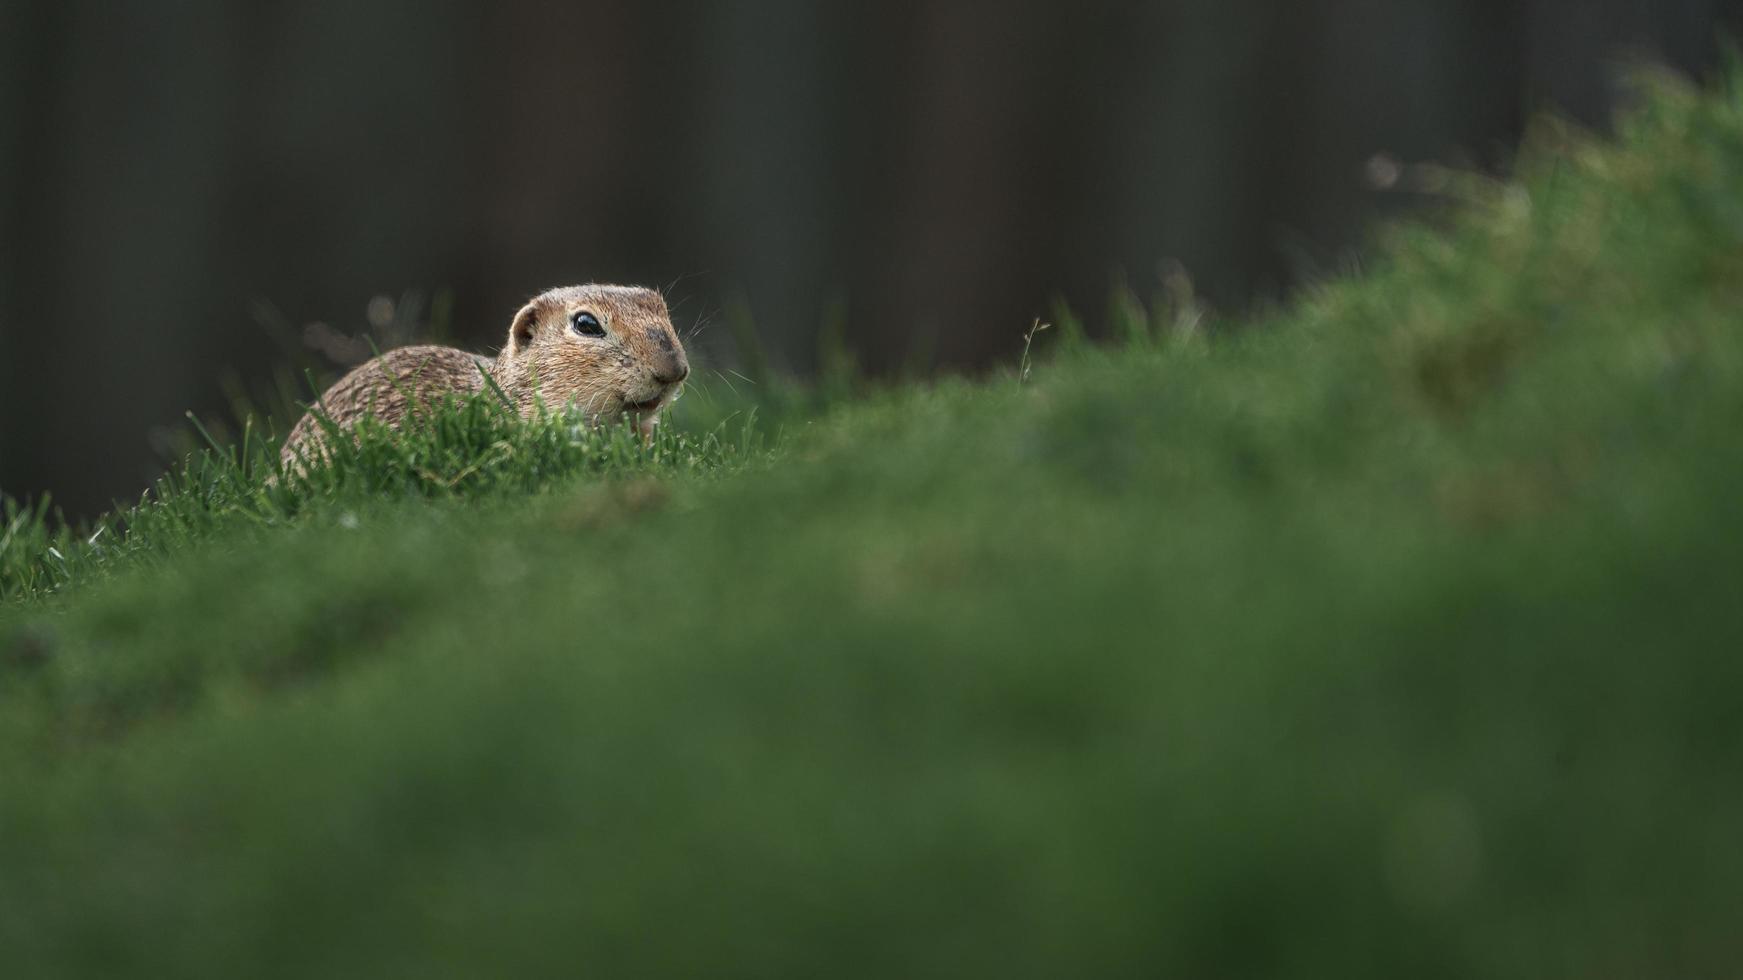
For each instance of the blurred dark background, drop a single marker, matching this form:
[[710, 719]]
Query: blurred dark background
[[184, 187]]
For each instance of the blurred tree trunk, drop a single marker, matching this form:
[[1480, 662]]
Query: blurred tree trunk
[[114, 240], [978, 167], [32, 38], [767, 194]]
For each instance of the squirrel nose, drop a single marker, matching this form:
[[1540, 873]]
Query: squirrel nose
[[673, 373]]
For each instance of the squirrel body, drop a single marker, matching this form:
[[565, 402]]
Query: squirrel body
[[609, 351]]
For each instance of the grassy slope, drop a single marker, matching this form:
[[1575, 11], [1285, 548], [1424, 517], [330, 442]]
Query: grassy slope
[[1397, 636]]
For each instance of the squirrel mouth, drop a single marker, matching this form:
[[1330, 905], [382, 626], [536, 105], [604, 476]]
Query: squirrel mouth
[[645, 415]]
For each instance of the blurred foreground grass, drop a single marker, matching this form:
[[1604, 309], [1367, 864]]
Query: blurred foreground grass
[[1398, 634]]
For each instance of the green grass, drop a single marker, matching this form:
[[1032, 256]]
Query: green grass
[[473, 448], [1395, 634]]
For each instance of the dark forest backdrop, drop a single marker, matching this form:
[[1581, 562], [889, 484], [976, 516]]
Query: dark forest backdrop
[[935, 170]]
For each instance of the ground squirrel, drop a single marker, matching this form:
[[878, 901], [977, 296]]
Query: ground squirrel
[[608, 350]]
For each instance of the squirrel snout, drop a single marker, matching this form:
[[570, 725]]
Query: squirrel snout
[[673, 372]]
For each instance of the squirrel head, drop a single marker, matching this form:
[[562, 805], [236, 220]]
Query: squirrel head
[[609, 351]]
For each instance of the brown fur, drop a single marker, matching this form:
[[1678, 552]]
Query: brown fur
[[636, 369]]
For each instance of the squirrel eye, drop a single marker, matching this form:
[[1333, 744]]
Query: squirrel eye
[[586, 324]]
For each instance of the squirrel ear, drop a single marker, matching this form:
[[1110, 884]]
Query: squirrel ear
[[520, 333]]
